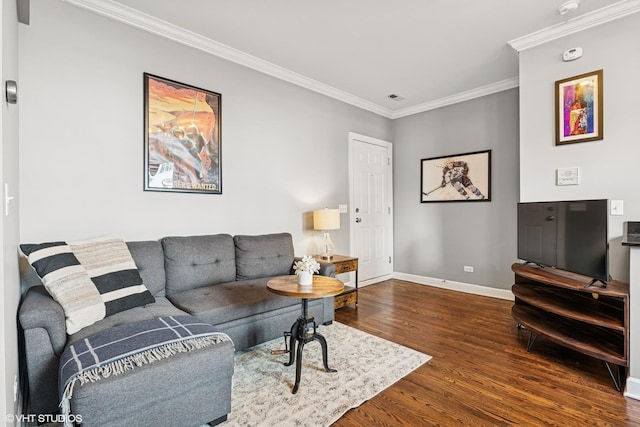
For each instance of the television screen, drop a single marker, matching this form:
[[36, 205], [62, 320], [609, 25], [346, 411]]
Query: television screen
[[569, 235]]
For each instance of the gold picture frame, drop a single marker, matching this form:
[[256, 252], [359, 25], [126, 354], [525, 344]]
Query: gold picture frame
[[579, 108]]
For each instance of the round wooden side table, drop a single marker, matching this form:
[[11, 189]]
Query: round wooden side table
[[301, 331]]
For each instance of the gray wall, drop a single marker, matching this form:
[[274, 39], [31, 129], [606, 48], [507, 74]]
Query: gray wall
[[608, 168], [438, 239], [284, 148]]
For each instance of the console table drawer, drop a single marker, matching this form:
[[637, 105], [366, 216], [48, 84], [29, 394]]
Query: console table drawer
[[348, 297], [346, 266]]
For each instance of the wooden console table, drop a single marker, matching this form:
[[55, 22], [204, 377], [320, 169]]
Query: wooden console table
[[344, 264], [563, 307]]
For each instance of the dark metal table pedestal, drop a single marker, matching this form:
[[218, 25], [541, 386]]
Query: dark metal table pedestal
[[304, 330], [302, 334]]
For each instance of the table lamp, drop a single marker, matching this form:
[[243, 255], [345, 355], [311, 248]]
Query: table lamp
[[325, 220]]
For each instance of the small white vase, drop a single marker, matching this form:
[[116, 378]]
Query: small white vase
[[305, 278]]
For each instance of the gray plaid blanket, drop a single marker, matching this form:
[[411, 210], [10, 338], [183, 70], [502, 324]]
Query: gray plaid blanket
[[122, 348]]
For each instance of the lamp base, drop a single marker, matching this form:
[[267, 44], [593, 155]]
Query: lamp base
[[326, 256], [329, 247]]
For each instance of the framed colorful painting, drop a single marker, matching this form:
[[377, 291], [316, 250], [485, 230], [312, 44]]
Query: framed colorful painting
[[182, 137], [579, 108], [456, 178]]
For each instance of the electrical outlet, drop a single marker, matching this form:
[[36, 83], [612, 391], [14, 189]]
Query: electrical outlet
[[468, 269]]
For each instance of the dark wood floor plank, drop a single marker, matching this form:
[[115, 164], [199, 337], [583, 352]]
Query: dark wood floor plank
[[480, 374]]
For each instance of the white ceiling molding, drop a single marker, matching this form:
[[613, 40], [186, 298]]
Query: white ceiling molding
[[137, 19], [459, 97], [162, 28], [574, 25]]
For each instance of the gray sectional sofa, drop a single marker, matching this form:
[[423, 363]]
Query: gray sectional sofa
[[217, 278]]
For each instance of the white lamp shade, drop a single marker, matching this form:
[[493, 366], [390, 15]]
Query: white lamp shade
[[326, 219]]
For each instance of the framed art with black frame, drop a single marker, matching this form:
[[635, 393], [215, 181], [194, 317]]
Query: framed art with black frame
[[579, 108], [456, 178], [182, 147]]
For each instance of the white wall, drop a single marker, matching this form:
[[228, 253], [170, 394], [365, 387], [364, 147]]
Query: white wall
[[608, 168], [9, 224], [284, 148], [633, 382]]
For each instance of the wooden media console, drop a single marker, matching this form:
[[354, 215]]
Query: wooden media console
[[572, 311]]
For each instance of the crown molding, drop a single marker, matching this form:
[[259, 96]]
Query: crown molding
[[167, 30], [459, 97], [172, 32], [577, 24], [137, 19]]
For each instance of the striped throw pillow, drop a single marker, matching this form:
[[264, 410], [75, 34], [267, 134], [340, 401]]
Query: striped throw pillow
[[90, 279]]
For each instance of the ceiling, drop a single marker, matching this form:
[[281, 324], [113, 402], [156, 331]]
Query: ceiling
[[429, 52]]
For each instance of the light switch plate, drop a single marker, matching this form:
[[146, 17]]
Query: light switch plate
[[342, 208], [567, 176], [617, 207]]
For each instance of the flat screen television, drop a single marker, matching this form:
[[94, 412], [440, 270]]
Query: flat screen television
[[568, 235]]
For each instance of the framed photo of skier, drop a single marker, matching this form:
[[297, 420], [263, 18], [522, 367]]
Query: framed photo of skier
[[456, 178], [181, 137], [579, 108]]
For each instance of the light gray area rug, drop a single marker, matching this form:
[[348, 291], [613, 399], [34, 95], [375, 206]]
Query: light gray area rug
[[366, 365]]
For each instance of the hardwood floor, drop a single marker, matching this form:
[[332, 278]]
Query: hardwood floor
[[480, 373]]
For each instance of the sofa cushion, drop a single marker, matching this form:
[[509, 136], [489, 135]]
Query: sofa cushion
[[149, 259], [90, 279], [228, 301], [197, 261], [266, 255]]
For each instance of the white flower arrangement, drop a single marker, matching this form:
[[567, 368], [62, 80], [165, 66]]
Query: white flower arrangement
[[307, 263]]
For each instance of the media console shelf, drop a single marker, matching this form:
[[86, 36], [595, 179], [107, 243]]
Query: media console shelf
[[562, 307]]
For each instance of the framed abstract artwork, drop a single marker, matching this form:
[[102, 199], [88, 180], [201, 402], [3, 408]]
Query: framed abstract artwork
[[579, 108], [181, 137], [456, 178]]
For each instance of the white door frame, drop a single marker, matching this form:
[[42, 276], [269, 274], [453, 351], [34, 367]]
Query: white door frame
[[354, 139]]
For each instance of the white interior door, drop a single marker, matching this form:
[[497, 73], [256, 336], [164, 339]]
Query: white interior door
[[370, 176]]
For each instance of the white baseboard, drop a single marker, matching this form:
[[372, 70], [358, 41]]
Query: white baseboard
[[633, 388], [364, 283], [468, 288]]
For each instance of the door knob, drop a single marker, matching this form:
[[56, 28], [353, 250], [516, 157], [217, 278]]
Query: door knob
[[358, 219]]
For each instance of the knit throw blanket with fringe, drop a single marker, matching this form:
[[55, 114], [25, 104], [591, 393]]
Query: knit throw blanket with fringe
[[122, 348]]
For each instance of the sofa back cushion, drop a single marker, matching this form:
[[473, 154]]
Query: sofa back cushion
[[196, 261], [149, 259], [91, 279], [266, 255]]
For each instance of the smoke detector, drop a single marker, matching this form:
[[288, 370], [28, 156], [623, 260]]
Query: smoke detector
[[568, 6]]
